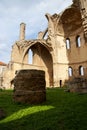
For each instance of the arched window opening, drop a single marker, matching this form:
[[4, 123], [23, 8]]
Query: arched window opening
[[70, 71], [46, 36], [30, 56], [78, 41], [68, 43], [81, 70]]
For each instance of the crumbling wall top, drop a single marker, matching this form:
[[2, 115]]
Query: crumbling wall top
[[76, 3]]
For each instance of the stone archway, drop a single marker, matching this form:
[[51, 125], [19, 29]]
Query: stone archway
[[42, 58]]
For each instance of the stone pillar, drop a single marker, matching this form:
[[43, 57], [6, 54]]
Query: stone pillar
[[22, 31], [40, 35], [55, 75]]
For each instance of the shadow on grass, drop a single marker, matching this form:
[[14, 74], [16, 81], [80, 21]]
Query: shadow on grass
[[61, 111]]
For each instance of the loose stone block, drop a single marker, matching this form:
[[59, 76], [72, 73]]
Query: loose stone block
[[29, 86]]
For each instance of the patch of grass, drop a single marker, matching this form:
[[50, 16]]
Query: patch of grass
[[61, 111]]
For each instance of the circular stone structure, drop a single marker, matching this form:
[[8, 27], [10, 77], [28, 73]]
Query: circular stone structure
[[29, 86]]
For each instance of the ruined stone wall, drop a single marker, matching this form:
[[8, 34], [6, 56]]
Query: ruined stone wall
[[10, 73], [78, 85], [77, 54], [60, 61], [51, 54], [29, 86]]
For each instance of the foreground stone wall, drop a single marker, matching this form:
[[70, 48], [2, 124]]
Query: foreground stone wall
[[29, 86]]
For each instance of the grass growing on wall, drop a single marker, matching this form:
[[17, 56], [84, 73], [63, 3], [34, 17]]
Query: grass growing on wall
[[61, 111]]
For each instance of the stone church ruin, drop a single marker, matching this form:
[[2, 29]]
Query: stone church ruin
[[62, 55]]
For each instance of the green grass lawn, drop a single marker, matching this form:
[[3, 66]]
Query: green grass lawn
[[61, 111]]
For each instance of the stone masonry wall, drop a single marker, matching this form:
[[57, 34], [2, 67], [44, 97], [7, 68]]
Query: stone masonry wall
[[29, 86]]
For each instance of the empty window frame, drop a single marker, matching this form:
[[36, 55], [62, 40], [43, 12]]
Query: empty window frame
[[68, 46], [81, 70], [30, 56], [78, 41], [70, 71]]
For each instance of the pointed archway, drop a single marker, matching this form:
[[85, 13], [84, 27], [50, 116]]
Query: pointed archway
[[42, 58]]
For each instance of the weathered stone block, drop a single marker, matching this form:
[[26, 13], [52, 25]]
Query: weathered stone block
[[29, 86], [78, 85]]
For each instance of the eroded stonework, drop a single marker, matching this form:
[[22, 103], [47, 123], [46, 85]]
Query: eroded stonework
[[60, 50], [29, 86]]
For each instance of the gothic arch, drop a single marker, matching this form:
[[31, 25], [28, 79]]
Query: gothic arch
[[47, 46], [42, 57]]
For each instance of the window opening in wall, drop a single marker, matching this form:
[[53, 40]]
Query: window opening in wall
[[70, 71], [30, 56], [46, 36], [81, 70], [78, 41], [67, 43]]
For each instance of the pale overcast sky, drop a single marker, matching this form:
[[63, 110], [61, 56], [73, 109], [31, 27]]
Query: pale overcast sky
[[32, 13]]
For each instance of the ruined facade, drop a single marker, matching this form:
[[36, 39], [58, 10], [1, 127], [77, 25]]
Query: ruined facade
[[62, 55]]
